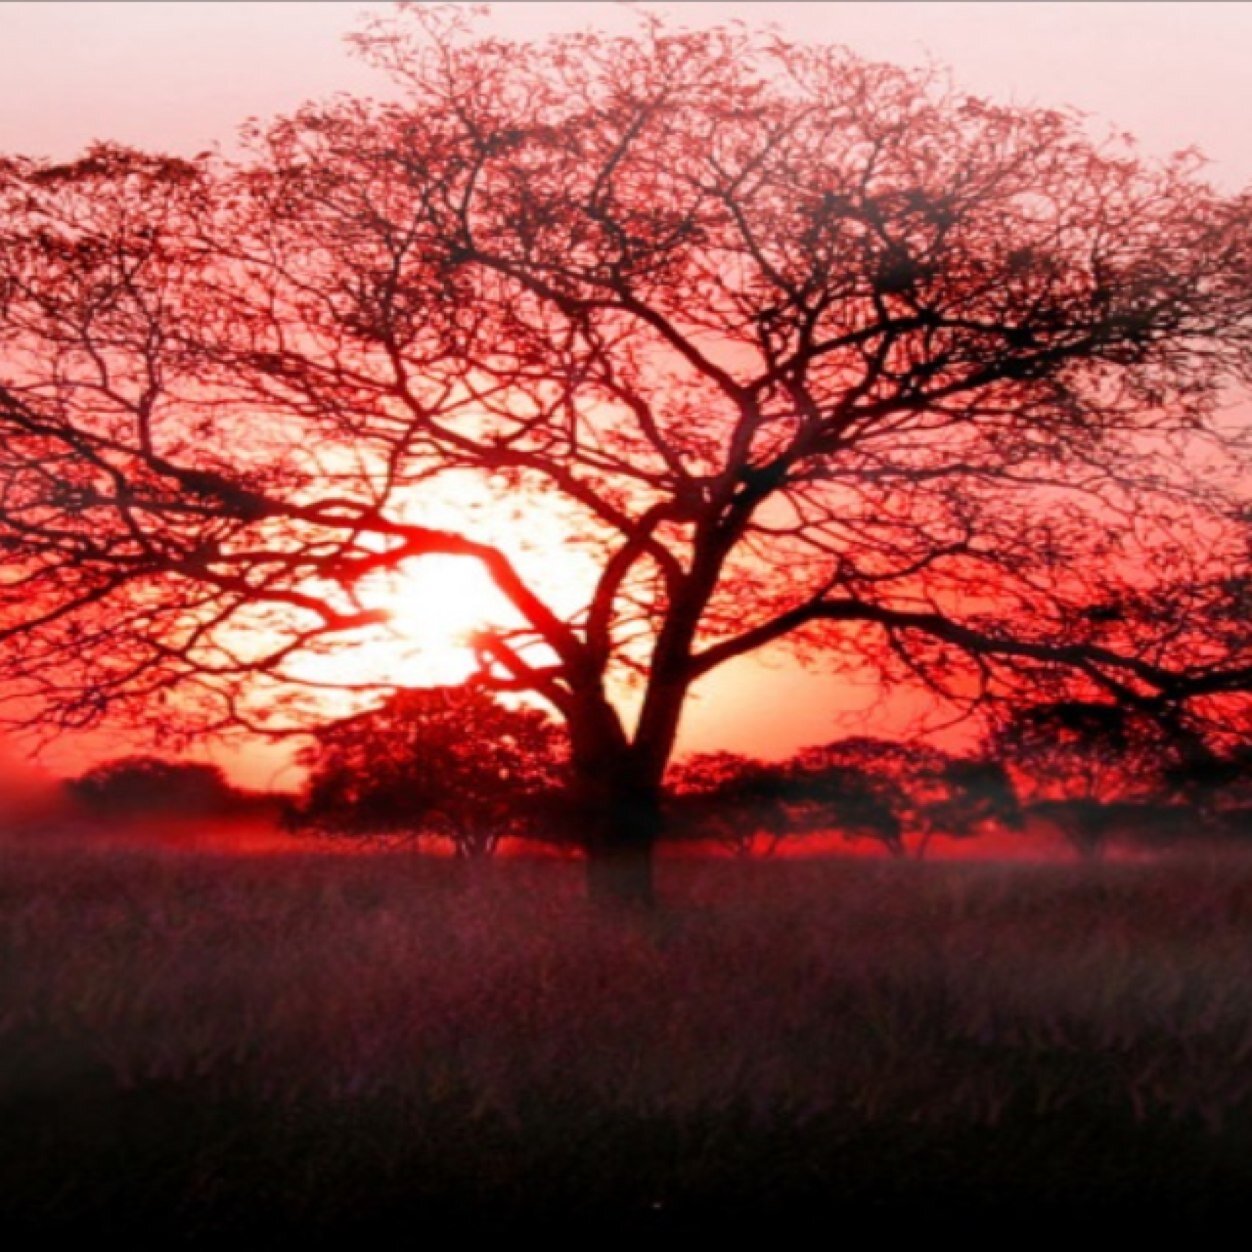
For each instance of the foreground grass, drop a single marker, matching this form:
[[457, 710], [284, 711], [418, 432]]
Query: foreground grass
[[202, 1045]]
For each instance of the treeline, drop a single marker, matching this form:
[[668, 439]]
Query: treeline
[[860, 787], [459, 766], [1091, 772]]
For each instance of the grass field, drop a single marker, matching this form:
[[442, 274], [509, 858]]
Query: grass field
[[197, 1046]]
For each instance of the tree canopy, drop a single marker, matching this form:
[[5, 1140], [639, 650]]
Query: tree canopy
[[451, 762], [799, 349]]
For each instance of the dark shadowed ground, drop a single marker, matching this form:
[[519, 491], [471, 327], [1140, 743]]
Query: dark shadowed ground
[[200, 1046]]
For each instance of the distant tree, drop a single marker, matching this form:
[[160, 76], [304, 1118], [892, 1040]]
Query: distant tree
[[892, 789], [731, 799], [1218, 784], [449, 761], [1081, 763], [1083, 749], [859, 786], [864, 787], [137, 785], [975, 795]]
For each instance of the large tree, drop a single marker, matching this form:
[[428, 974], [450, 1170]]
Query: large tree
[[797, 348]]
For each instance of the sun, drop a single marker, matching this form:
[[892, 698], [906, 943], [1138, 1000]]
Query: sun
[[434, 604], [433, 607]]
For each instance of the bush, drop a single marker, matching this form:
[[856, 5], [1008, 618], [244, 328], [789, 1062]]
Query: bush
[[138, 785]]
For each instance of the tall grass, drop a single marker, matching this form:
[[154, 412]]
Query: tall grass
[[314, 1040]]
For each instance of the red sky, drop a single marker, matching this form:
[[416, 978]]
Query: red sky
[[181, 76]]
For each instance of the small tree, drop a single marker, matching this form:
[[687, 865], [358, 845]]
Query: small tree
[[731, 799], [975, 795], [863, 786], [890, 789], [448, 761], [1218, 785]]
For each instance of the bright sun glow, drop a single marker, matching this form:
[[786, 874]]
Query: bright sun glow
[[435, 605]]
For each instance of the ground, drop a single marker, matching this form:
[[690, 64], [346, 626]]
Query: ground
[[199, 1045]]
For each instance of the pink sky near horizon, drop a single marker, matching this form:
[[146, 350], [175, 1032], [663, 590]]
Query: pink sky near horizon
[[181, 76]]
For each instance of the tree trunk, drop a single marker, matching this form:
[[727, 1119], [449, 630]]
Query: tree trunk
[[614, 804], [619, 874], [619, 820]]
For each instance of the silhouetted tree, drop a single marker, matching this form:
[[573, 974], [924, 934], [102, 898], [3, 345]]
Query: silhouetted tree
[[1090, 765], [798, 347], [974, 795], [1217, 785], [892, 789], [864, 787], [452, 762], [732, 799], [135, 786]]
